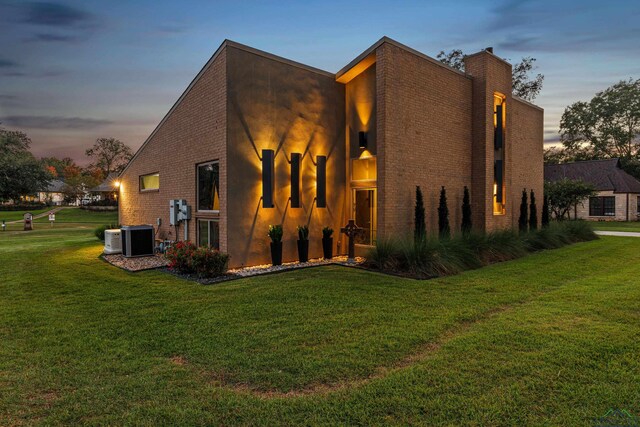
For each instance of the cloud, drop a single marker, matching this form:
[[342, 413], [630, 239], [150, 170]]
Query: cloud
[[6, 63], [54, 122], [50, 37], [55, 15]]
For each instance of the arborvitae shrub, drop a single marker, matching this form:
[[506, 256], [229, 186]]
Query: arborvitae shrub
[[420, 226], [443, 215], [522, 221], [466, 212], [533, 212]]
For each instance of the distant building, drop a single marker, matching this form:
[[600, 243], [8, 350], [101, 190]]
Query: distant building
[[107, 190], [53, 194], [618, 197]]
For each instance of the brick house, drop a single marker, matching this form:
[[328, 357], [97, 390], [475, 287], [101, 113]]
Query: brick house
[[257, 139], [618, 197]]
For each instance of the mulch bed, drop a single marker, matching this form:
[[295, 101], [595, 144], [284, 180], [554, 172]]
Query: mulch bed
[[159, 262]]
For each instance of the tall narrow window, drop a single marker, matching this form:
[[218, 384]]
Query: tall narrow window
[[208, 185], [209, 233], [499, 124]]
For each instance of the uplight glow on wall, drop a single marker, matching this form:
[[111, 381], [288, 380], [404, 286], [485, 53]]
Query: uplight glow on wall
[[268, 167]]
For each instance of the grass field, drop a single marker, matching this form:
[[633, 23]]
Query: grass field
[[549, 339], [617, 226], [18, 215], [66, 218]]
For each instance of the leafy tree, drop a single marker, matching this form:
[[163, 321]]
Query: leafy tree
[[420, 227], [466, 212], [522, 85], [21, 173], [522, 221], [110, 155], [443, 215], [608, 125], [57, 164], [533, 212], [565, 194], [545, 211]]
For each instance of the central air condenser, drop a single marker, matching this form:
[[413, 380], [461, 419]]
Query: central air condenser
[[137, 240], [112, 242]]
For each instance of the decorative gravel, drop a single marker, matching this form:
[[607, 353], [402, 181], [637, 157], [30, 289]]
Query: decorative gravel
[[138, 263], [158, 261]]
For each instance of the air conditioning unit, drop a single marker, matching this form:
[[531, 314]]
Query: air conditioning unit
[[112, 242], [137, 240]]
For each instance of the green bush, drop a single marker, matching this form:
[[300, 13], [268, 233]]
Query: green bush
[[99, 232], [427, 258], [187, 258]]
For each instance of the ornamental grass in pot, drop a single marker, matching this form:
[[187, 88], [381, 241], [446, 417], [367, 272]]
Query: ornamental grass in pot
[[275, 234]]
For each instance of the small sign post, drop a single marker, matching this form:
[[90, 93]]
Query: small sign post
[[4, 226], [28, 218], [52, 218]]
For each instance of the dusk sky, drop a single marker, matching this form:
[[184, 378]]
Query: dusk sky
[[74, 71]]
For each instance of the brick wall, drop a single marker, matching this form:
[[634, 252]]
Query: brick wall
[[193, 132]]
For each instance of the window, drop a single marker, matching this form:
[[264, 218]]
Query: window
[[209, 233], [363, 169], [208, 185], [499, 124], [150, 182], [602, 206]]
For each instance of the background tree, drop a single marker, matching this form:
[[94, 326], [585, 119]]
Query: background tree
[[545, 211], [109, 155], [523, 219], [420, 226], [533, 212], [522, 84], [565, 194], [606, 127], [443, 215], [21, 173], [57, 164], [466, 212]]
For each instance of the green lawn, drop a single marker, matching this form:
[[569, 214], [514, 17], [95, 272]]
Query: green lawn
[[549, 339], [617, 226], [67, 217], [18, 215]]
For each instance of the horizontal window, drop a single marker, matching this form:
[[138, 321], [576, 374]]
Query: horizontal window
[[363, 169], [150, 182], [602, 206]]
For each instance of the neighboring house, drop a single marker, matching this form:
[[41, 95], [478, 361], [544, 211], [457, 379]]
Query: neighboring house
[[618, 192], [257, 139], [53, 194], [108, 189]]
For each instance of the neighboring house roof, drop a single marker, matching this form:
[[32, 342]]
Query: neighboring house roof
[[107, 186], [55, 186], [604, 175]]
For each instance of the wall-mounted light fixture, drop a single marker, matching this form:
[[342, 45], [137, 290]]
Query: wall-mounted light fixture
[[267, 178], [295, 179], [362, 139], [321, 181]]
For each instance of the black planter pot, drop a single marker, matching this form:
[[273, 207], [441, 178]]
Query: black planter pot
[[303, 250], [276, 253], [327, 247]]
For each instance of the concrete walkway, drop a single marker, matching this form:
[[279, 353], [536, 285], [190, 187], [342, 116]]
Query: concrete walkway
[[618, 233]]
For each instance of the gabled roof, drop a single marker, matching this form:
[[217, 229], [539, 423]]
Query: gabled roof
[[55, 186], [604, 175], [107, 186]]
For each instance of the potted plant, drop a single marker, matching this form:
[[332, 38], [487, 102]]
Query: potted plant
[[275, 234], [303, 243], [327, 242]]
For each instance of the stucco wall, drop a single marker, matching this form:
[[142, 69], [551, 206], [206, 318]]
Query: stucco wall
[[275, 105], [194, 132], [424, 138]]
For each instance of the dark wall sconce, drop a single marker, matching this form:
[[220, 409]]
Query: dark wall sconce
[[295, 179], [499, 132], [268, 167], [321, 181], [362, 139]]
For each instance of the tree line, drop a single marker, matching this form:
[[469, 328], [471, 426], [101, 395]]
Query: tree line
[[22, 174]]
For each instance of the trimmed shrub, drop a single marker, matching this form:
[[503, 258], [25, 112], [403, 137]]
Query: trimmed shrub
[[443, 215], [533, 212], [522, 220], [208, 262], [420, 225], [180, 257], [466, 212], [99, 232]]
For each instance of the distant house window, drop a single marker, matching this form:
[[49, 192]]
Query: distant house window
[[150, 182], [208, 187], [209, 233], [602, 206]]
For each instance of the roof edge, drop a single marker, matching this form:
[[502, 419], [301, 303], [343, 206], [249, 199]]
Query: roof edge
[[525, 102]]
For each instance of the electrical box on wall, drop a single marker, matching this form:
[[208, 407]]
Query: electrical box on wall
[[185, 211], [179, 211], [173, 212]]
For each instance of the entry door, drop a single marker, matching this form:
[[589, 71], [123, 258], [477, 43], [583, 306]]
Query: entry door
[[365, 214]]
